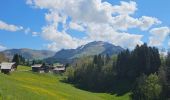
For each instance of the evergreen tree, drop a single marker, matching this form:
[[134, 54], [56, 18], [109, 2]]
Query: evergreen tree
[[107, 58], [167, 72], [123, 64], [168, 60], [33, 62], [16, 59], [142, 60], [95, 60]]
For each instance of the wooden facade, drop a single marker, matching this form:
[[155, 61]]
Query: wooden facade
[[7, 67], [60, 68], [37, 68], [40, 68]]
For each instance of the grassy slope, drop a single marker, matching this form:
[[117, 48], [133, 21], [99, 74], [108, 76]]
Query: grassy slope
[[25, 85]]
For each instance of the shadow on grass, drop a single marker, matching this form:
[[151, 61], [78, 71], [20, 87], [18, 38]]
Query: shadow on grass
[[121, 87], [118, 87]]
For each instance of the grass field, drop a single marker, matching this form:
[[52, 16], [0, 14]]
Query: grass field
[[25, 85]]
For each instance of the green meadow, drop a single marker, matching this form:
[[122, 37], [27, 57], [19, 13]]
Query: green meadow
[[26, 85]]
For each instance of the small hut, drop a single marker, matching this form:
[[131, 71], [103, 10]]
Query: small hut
[[59, 68], [41, 68], [7, 67], [37, 68]]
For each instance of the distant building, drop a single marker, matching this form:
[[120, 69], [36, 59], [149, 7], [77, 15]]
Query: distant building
[[58, 65], [58, 68], [40, 68], [37, 68], [55, 68], [7, 67]]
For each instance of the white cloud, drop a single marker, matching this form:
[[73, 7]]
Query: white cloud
[[100, 21], [124, 22], [14, 28], [9, 27], [125, 8], [158, 35], [107, 33], [2, 48], [146, 22], [76, 26], [34, 34], [60, 39]]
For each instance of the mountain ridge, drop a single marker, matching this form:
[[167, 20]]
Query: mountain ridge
[[66, 55], [89, 49], [28, 53]]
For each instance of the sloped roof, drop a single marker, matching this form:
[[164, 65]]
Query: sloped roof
[[59, 69], [6, 65], [37, 65], [58, 65]]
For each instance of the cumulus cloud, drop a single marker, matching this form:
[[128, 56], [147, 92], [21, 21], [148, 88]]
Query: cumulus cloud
[[146, 22], [14, 28], [158, 35], [124, 22], [125, 8], [98, 19], [106, 33], [9, 27], [60, 39], [76, 26]]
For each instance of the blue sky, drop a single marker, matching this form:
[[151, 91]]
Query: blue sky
[[31, 16]]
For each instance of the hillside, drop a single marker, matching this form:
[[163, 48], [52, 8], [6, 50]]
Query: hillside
[[90, 49], [29, 53], [25, 85], [2, 57]]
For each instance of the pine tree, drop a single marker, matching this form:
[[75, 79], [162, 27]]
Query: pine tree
[[33, 62], [16, 59], [107, 58], [168, 60], [95, 60], [123, 64], [167, 69]]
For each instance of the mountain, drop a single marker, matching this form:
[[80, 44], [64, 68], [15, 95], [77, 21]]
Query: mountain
[[29, 53], [90, 49]]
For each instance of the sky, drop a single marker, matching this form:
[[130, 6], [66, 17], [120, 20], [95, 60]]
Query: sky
[[64, 24]]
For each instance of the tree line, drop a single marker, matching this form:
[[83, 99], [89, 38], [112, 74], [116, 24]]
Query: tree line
[[141, 71], [20, 60]]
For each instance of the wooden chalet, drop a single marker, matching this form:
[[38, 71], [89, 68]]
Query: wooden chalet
[[40, 68], [44, 68], [7, 67], [59, 68], [37, 68]]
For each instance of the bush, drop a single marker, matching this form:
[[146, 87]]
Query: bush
[[70, 74], [148, 88]]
